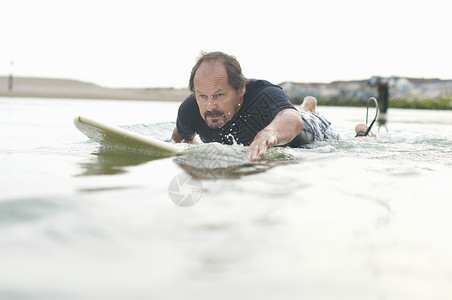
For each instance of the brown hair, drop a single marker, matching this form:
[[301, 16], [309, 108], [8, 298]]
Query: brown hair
[[235, 76]]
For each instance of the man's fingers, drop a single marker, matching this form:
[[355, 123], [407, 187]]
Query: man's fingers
[[256, 151], [259, 146], [252, 153]]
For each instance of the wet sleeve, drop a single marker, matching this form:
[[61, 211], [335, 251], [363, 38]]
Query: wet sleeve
[[186, 118], [278, 101]]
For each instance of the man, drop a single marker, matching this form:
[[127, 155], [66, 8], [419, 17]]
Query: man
[[226, 107]]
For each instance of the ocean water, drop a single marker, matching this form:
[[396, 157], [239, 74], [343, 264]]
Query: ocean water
[[348, 219]]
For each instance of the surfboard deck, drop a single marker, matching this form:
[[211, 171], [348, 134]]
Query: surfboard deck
[[120, 138]]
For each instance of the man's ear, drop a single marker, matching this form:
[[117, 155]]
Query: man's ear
[[243, 90]]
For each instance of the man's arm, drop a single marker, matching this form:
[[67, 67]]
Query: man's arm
[[284, 128]]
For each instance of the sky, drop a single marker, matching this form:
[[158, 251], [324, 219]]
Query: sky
[[155, 43]]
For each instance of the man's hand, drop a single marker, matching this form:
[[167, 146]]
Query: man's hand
[[263, 140], [176, 137], [284, 128]]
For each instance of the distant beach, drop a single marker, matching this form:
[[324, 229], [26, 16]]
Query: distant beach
[[404, 92], [64, 88]]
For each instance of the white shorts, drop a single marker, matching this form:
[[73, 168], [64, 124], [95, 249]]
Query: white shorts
[[317, 127]]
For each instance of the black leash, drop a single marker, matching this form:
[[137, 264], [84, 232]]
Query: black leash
[[362, 133]]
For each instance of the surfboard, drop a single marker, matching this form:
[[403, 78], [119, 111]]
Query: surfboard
[[120, 138]]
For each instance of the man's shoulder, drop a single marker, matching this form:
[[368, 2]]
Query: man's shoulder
[[265, 99], [260, 84], [189, 110], [262, 90], [190, 99], [189, 103]]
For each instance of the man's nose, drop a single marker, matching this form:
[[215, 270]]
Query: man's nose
[[212, 105]]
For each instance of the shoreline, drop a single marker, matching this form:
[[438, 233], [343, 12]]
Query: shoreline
[[51, 88], [25, 87]]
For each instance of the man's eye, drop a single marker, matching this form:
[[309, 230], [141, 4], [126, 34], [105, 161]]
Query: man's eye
[[219, 95]]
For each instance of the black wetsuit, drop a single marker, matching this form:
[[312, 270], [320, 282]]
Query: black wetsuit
[[261, 103]]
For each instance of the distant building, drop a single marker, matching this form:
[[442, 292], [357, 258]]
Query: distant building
[[399, 88]]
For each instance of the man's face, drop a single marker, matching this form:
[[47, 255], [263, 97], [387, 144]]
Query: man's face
[[217, 100]]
